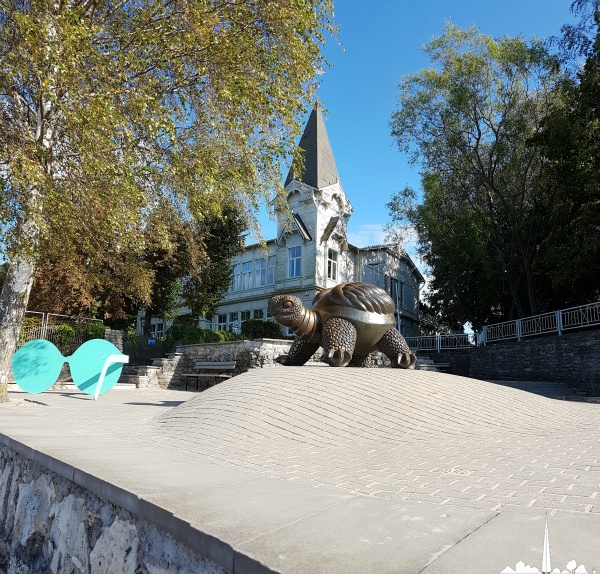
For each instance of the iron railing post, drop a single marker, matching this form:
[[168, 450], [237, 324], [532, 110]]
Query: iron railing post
[[44, 325], [559, 322]]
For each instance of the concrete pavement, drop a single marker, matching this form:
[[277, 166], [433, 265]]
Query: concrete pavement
[[336, 470]]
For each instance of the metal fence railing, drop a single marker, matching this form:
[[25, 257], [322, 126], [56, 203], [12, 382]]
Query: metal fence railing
[[67, 333], [441, 342], [555, 322], [142, 349]]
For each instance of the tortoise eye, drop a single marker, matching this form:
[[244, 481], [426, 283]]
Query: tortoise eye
[[288, 304]]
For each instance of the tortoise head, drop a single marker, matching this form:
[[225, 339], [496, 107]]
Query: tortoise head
[[287, 309]]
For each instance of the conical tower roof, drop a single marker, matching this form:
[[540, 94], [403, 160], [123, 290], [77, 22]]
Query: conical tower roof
[[319, 164]]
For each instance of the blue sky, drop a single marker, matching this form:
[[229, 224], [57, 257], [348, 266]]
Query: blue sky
[[380, 42]]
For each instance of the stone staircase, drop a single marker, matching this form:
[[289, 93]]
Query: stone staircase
[[145, 376]]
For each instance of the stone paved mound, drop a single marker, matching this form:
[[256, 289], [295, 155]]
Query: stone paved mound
[[349, 406], [395, 434]]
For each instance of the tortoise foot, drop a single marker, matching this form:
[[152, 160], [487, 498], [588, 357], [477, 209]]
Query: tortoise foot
[[393, 345], [403, 361], [337, 357], [300, 352], [339, 338]]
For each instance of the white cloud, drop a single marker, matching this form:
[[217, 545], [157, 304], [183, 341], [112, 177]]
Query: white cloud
[[367, 234]]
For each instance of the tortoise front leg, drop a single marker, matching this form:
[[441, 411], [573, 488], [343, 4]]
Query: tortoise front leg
[[300, 352], [338, 340], [393, 345]]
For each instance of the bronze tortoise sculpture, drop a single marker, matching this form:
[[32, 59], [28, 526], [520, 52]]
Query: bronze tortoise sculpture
[[349, 321]]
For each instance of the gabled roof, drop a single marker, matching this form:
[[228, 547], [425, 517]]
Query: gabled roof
[[319, 164]]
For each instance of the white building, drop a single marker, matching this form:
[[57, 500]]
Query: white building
[[311, 251]]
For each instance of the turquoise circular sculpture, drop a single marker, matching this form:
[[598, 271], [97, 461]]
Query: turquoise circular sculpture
[[86, 365], [37, 365]]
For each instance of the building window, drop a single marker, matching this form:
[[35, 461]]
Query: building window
[[236, 282], [245, 315], [410, 298], [271, 270], [258, 314], [332, 264], [395, 292], [234, 325], [222, 322], [247, 275], [294, 261], [260, 272], [157, 330]]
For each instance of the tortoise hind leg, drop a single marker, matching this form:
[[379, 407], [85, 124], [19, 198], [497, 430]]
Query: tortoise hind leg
[[393, 345], [300, 352], [338, 340], [360, 361]]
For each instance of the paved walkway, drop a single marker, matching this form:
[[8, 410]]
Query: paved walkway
[[344, 470]]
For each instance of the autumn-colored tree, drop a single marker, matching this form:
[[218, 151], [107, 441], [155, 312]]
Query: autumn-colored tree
[[106, 106]]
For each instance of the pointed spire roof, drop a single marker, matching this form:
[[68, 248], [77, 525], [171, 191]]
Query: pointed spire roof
[[319, 165]]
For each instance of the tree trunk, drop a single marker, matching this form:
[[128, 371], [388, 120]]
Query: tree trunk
[[530, 286], [13, 303]]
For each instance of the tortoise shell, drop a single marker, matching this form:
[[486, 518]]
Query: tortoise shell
[[362, 296], [369, 308]]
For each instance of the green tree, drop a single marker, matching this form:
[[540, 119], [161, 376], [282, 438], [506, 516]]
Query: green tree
[[570, 141], [465, 286], [577, 39], [221, 239], [469, 122], [106, 106], [171, 252]]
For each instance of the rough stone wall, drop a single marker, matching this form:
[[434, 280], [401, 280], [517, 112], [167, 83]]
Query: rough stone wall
[[115, 337], [572, 358], [50, 525], [259, 353], [161, 373], [459, 360]]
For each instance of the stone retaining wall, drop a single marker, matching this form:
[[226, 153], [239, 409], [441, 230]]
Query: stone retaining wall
[[50, 525], [572, 358], [257, 354], [260, 353], [115, 337]]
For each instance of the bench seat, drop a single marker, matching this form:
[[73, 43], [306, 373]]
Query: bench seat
[[220, 370]]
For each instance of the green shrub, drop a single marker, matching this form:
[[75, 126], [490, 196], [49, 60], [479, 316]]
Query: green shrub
[[257, 329], [64, 334], [229, 336], [28, 324], [93, 329], [191, 334]]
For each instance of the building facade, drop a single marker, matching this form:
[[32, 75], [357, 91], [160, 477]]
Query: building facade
[[311, 251]]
